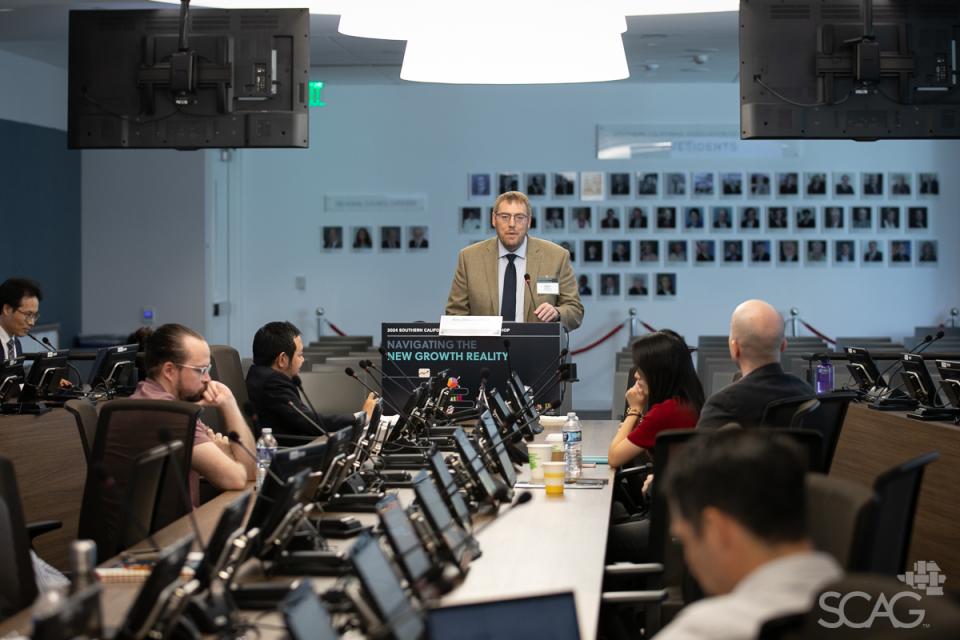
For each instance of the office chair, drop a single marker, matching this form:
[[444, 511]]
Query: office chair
[[85, 413], [228, 369], [941, 616], [789, 412], [887, 535], [127, 429], [838, 510], [142, 497], [18, 587], [829, 419]]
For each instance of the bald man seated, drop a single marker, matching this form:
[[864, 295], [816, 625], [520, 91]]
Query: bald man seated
[[756, 342]]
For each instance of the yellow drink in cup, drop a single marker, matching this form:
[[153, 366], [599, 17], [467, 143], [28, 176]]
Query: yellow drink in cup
[[553, 478]]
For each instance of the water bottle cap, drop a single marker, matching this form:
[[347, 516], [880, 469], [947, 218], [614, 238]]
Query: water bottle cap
[[572, 414], [266, 431]]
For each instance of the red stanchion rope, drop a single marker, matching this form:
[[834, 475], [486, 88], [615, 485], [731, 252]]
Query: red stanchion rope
[[597, 343], [817, 333], [335, 328], [648, 327]]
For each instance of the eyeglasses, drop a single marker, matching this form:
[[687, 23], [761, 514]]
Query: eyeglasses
[[202, 371], [519, 218], [30, 316]]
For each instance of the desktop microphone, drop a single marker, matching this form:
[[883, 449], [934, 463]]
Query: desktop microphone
[[523, 497], [403, 376], [366, 365], [927, 340], [181, 481], [293, 405], [46, 345], [563, 353], [299, 384], [406, 416]]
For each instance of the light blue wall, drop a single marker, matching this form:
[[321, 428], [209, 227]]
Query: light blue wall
[[33, 92], [424, 139]]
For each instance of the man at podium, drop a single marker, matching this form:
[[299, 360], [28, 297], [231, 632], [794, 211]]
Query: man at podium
[[491, 277]]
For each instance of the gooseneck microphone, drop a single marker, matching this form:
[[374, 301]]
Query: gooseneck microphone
[[366, 365], [166, 438], [920, 346], [533, 298], [234, 437], [299, 384], [402, 378], [45, 344], [563, 353], [310, 421]]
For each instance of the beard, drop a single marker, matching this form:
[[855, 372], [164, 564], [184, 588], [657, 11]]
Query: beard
[[194, 397]]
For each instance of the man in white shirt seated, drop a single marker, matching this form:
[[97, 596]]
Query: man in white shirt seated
[[737, 502]]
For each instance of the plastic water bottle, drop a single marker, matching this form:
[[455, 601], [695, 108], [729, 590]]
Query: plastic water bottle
[[824, 376], [572, 445], [266, 448]]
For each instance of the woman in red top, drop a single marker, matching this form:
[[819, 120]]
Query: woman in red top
[[667, 395]]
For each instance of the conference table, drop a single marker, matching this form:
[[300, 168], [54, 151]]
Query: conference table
[[548, 545]]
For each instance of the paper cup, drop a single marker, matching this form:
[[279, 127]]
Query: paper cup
[[539, 453], [553, 478]]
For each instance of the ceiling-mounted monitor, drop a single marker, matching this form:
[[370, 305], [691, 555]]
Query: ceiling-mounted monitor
[[189, 79]]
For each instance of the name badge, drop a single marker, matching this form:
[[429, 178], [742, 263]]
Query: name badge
[[548, 286]]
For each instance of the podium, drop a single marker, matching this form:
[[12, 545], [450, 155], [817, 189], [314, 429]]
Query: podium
[[416, 351]]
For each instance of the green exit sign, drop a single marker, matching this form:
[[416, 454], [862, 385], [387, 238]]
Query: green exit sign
[[316, 97]]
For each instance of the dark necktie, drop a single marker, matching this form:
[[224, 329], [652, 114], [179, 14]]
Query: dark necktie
[[12, 349], [508, 301]]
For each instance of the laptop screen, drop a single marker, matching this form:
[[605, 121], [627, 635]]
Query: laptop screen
[[552, 617]]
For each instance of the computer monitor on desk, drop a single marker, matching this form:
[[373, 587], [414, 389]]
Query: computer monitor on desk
[[11, 377], [950, 381], [46, 372], [864, 370], [115, 369], [917, 380]]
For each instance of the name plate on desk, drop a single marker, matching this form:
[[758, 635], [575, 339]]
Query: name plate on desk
[[471, 325]]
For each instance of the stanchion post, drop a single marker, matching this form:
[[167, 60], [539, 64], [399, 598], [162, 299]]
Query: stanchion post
[[794, 321], [320, 322], [633, 325], [953, 317]]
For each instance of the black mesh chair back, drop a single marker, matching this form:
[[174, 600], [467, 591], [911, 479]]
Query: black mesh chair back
[[667, 445], [85, 414], [828, 421], [837, 512], [886, 539], [228, 369], [18, 587], [143, 493], [782, 413], [127, 429]]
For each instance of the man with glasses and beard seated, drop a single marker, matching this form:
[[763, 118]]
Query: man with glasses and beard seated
[[178, 365]]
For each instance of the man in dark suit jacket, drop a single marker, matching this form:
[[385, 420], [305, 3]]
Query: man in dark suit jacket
[[756, 342], [19, 310], [272, 384]]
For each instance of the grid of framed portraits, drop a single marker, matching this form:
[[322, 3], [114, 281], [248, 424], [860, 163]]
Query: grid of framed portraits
[[385, 238], [616, 222]]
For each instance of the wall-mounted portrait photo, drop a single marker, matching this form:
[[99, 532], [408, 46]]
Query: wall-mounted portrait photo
[[637, 285], [805, 219], [917, 218], [759, 184], [900, 253], [816, 252], [693, 219], [927, 253], [648, 184], [750, 218], [703, 184], [649, 251], [609, 285], [571, 249], [901, 184], [610, 219], [554, 218], [731, 184], [331, 238], [591, 185], [733, 251], [871, 184], [844, 184], [929, 184], [833, 218], [419, 238], [788, 184], [777, 219], [816, 184], [565, 184], [704, 252], [620, 251], [676, 251], [471, 220], [844, 252], [721, 218], [592, 251], [620, 184], [581, 219], [362, 239], [675, 184], [666, 218], [585, 284], [666, 285], [861, 218], [872, 253], [479, 185], [760, 252], [508, 182], [390, 238], [889, 218], [788, 252], [536, 184], [637, 218]]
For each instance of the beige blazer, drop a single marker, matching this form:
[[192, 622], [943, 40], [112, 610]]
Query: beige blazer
[[476, 287]]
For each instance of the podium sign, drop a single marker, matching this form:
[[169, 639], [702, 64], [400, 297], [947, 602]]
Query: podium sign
[[416, 351]]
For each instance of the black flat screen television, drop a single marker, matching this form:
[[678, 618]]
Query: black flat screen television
[[242, 82], [849, 69]]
